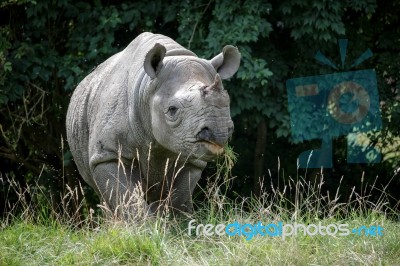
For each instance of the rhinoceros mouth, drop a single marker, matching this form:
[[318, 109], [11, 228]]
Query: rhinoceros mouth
[[212, 147]]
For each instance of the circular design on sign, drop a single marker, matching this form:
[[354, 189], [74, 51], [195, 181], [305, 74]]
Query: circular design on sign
[[359, 94]]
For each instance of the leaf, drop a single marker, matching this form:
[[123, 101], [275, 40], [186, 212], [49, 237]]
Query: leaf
[[7, 67]]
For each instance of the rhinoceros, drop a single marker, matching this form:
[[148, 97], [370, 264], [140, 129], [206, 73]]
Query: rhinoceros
[[152, 103]]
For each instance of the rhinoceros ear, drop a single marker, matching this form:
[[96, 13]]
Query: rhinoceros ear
[[227, 62], [153, 60]]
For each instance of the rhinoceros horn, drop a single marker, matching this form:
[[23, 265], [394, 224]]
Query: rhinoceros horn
[[215, 86]]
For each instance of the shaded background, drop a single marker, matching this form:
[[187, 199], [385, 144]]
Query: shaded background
[[48, 47]]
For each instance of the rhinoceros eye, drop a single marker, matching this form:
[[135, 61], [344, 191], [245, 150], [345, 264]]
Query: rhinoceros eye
[[172, 110]]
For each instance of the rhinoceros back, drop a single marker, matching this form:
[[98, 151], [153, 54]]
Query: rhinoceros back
[[98, 119]]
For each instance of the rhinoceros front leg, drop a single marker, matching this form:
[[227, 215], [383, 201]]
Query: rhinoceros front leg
[[181, 190], [118, 185]]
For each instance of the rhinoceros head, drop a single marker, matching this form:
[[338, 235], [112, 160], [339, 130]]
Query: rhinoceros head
[[189, 107]]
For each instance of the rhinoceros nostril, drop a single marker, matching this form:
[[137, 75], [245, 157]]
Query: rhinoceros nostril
[[204, 134], [214, 137]]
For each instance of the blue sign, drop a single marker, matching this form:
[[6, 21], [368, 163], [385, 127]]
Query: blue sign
[[328, 106]]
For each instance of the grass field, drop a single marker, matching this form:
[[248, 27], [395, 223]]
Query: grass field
[[34, 244], [39, 236]]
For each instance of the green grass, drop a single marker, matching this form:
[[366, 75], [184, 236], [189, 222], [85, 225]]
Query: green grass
[[166, 242]]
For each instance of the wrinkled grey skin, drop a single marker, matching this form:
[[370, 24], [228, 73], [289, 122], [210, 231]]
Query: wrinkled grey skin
[[154, 93]]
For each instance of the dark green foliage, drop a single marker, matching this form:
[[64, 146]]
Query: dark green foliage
[[315, 20], [47, 47]]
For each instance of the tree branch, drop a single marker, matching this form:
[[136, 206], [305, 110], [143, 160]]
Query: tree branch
[[197, 22]]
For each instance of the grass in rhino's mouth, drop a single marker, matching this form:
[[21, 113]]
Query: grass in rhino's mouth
[[225, 162]]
